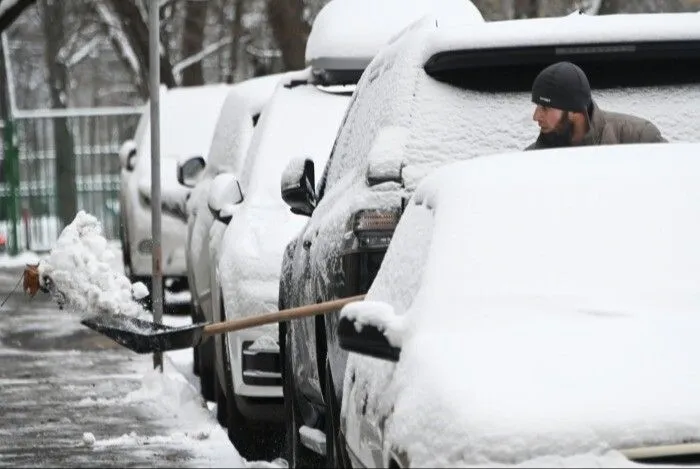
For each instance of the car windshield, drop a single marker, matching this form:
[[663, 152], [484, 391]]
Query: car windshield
[[299, 121], [475, 103]]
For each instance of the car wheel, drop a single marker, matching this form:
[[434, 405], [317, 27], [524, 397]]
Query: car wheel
[[207, 371], [295, 452], [336, 452], [221, 403], [195, 360]]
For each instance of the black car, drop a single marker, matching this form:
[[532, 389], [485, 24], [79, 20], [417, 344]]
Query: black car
[[432, 96]]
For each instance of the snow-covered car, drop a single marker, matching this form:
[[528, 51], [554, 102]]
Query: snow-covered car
[[534, 309], [187, 120], [441, 93], [301, 119], [232, 135]]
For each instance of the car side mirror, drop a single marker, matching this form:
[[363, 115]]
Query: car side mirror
[[366, 339], [127, 155], [224, 194], [299, 186], [189, 171]]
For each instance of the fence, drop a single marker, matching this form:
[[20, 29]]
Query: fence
[[59, 161]]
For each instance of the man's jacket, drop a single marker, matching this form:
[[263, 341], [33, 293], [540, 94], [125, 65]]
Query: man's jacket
[[610, 128]]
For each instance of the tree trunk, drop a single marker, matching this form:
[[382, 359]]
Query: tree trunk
[[236, 35], [52, 18], [527, 9], [289, 30], [136, 29], [193, 41], [609, 7]]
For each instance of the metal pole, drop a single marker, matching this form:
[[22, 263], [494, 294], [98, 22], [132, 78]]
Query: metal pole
[[154, 74]]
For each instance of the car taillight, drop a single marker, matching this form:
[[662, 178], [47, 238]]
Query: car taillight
[[374, 228], [366, 241]]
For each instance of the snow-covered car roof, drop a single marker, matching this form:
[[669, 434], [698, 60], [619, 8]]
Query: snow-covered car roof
[[346, 34], [550, 303], [234, 126], [572, 29]]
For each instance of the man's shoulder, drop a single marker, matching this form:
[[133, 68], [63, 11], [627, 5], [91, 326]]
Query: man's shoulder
[[623, 118], [631, 129]]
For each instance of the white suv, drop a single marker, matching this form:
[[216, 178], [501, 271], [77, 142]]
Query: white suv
[[187, 120], [232, 136]]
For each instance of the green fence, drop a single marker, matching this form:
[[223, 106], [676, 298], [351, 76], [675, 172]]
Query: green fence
[[56, 162]]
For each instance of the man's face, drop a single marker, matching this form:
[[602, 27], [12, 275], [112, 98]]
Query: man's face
[[550, 119]]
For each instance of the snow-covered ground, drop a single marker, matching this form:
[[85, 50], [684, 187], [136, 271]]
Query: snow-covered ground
[[180, 428]]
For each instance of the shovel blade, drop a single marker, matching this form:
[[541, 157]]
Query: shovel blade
[[144, 336]]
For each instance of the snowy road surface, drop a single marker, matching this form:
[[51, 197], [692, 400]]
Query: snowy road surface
[[73, 398]]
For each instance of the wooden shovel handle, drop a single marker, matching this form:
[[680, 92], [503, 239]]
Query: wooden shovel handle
[[278, 316]]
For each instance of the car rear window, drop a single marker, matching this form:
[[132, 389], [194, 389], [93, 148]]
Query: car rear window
[[606, 65]]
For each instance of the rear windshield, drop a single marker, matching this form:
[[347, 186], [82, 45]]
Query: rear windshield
[[606, 65], [476, 103]]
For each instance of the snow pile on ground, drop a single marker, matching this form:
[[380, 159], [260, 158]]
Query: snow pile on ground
[[20, 260], [80, 273]]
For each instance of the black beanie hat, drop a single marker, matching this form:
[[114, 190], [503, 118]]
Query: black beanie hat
[[564, 86]]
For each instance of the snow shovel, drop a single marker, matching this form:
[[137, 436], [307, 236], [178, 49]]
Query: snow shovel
[[146, 337]]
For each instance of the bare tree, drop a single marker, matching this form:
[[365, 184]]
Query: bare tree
[[193, 40], [290, 30], [134, 24], [53, 23], [526, 9]]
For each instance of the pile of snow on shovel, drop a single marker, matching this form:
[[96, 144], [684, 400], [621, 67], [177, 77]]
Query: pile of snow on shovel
[[79, 273]]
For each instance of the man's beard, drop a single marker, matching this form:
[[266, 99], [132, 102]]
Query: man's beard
[[561, 136]]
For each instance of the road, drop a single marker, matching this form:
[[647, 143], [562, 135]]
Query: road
[[73, 398]]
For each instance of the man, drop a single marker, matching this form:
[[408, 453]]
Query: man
[[568, 116]]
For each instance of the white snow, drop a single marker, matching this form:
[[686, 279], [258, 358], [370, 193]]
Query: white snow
[[556, 311], [378, 314], [6, 5], [80, 269], [89, 439], [265, 343], [346, 29], [187, 121], [20, 260], [386, 153], [294, 168]]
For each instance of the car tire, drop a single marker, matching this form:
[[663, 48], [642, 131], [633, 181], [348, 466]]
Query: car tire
[[336, 452], [195, 360], [207, 369], [296, 454], [221, 403]]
